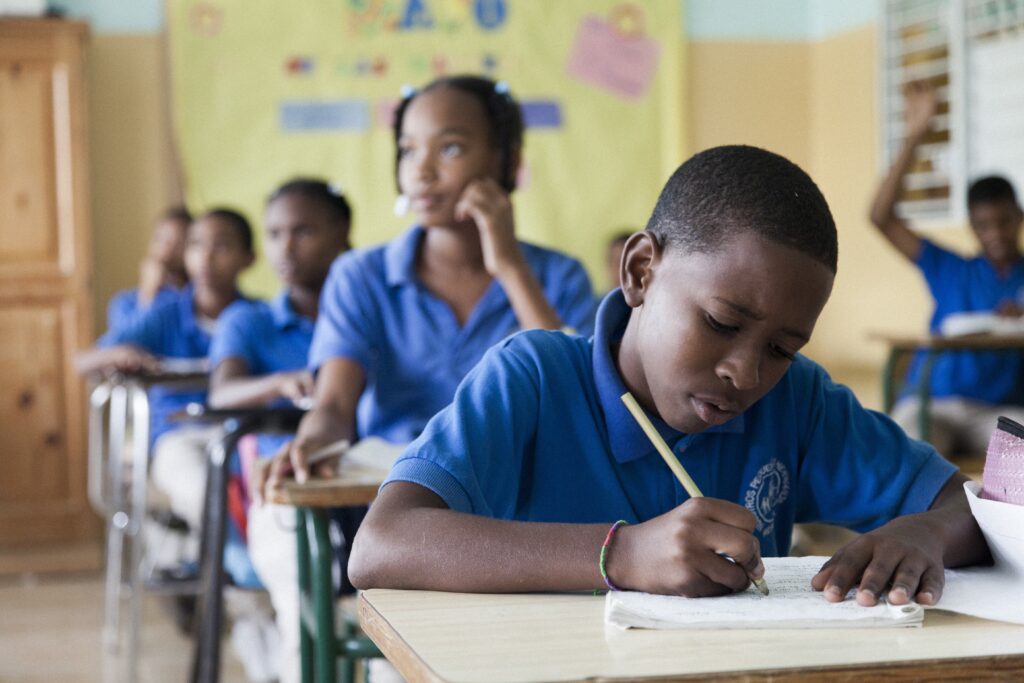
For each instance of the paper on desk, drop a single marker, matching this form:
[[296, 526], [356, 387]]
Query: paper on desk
[[792, 603], [983, 322], [995, 592], [374, 453]]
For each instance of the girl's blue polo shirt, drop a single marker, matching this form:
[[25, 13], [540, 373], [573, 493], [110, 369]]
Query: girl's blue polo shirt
[[375, 311], [269, 337], [537, 432], [168, 329], [124, 305], [961, 285]]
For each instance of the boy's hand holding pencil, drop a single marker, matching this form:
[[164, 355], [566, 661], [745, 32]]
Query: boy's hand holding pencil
[[703, 547]]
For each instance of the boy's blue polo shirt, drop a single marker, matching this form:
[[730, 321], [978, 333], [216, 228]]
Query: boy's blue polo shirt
[[169, 330], [269, 337], [375, 311], [537, 432], [961, 285], [124, 305]]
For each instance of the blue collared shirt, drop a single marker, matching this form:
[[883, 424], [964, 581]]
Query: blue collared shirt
[[268, 337], [375, 311], [537, 432], [961, 285], [124, 305], [169, 330]]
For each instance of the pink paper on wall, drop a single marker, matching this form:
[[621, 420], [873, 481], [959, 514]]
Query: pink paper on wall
[[622, 64]]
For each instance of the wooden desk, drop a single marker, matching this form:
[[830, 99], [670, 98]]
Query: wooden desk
[[901, 347], [467, 638]]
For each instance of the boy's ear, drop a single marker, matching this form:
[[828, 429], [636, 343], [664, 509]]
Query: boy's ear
[[640, 255]]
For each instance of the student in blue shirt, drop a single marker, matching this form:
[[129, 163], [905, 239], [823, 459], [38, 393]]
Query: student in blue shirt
[[969, 389], [401, 324], [218, 249], [162, 271], [514, 485], [258, 357]]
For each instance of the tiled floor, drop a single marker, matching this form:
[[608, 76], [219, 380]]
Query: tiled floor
[[50, 630]]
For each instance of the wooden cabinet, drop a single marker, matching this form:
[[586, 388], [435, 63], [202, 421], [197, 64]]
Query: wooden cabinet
[[45, 291]]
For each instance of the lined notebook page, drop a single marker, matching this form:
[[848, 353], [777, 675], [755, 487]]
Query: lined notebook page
[[791, 604]]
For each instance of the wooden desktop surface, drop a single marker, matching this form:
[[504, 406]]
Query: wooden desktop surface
[[354, 485], [464, 638], [967, 342]]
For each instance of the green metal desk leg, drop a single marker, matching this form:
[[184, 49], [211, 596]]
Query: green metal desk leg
[[924, 395], [324, 641], [889, 380], [305, 637]]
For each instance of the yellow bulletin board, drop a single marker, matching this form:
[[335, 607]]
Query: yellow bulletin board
[[264, 91]]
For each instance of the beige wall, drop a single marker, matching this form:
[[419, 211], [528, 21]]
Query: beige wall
[[131, 162]]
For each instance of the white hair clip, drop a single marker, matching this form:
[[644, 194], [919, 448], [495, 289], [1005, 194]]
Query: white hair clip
[[501, 87], [401, 205], [407, 91], [335, 189]]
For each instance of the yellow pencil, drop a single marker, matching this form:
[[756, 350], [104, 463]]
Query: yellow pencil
[[673, 463]]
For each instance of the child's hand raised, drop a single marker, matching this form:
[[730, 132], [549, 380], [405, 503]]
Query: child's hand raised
[[921, 104], [683, 552], [486, 204], [903, 557]]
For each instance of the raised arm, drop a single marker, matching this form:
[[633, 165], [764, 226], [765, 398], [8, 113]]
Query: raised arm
[[921, 104], [231, 385]]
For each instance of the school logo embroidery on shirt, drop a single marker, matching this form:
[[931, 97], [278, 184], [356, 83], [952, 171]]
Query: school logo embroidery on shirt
[[768, 490]]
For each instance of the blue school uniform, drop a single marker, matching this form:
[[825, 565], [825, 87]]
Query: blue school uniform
[[168, 330], [961, 285], [269, 337], [375, 311], [124, 305], [537, 432]]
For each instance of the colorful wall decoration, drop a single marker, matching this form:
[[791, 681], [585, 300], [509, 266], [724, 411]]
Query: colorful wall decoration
[[266, 91]]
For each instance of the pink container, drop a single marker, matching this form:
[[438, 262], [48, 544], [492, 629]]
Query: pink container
[[1003, 476]]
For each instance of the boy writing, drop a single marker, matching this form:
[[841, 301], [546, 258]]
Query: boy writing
[[969, 389], [514, 485]]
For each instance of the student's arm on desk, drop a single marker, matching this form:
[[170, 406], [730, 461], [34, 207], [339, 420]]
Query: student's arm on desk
[[411, 539], [123, 358], [339, 384], [921, 105], [909, 553], [232, 386]]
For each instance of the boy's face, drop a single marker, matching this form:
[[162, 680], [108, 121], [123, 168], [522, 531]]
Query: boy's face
[[215, 255], [997, 226], [167, 244], [710, 334], [302, 240]]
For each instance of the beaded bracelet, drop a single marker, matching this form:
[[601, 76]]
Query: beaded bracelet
[[604, 554]]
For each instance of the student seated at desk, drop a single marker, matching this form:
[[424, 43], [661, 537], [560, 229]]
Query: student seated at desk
[[162, 272], [258, 356], [401, 324], [514, 485], [969, 389], [218, 249]]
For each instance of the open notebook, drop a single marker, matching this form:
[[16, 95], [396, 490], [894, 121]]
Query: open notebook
[[791, 604]]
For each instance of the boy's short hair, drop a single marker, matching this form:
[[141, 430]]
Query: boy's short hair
[[724, 190], [237, 221], [993, 188], [317, 190], [504, 118]]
